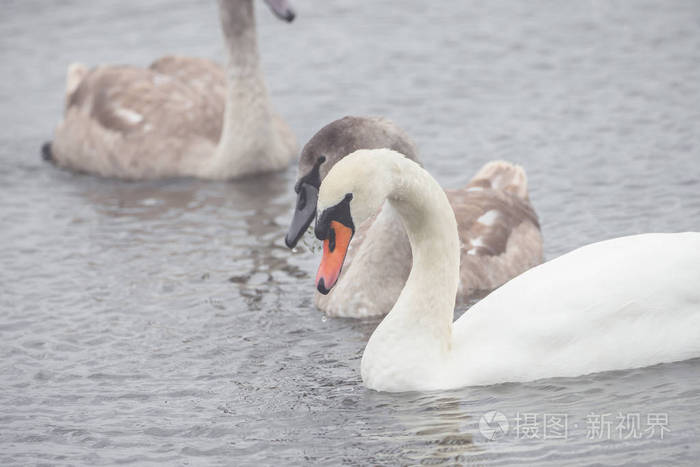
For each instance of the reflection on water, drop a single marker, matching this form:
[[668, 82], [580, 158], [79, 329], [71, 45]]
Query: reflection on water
[[165, 322]]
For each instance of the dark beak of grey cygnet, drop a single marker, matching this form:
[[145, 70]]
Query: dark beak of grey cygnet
[[305, 210], [282, 9], [304, 213]]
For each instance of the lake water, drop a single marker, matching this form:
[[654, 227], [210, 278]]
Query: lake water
[[166, 323]]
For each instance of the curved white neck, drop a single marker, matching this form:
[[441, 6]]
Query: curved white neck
[[432, 231], [420, 323]]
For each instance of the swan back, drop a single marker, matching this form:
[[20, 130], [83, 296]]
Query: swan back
[[622, 303]]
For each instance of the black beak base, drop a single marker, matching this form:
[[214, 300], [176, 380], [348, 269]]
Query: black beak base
[[304, 213]]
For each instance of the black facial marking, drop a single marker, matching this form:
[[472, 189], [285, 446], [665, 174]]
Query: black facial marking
[[313, 178], [341, 213]]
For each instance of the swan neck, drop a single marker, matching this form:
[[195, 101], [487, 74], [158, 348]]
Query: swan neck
[[427, 301], [410, 347], [247, 137], [385, 232], [239, 32], [382, 262]]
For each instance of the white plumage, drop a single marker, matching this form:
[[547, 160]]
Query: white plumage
[[621, 303]]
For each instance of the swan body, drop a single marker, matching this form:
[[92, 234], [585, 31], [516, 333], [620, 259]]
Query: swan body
[[622, 303], [179, 117], [498, 228]]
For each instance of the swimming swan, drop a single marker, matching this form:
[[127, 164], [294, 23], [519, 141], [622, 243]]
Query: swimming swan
[[498, 227], [169, 120], [622, 303]]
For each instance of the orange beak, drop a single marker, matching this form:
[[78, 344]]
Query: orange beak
[[335, 247]]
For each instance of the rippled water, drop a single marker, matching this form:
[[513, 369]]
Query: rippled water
[[166, 322]]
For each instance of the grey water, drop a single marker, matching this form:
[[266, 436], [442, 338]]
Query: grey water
[[166, 323]]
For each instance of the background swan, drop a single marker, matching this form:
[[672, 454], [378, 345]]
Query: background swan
[[622, 303], [498, 227], [180, 116]]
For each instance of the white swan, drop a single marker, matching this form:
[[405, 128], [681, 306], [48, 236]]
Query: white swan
[[169, 120], [622, 303], [498, 227]]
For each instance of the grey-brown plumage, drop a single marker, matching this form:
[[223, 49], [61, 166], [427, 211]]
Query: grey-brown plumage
[[348, 134], [498, 228], [181, 116], [131, 122]]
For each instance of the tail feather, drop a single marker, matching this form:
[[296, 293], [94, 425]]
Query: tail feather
[[74, 75], [501, 175]]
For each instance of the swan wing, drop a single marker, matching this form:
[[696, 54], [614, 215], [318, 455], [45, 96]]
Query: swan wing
[[205, 77], [129, 99], [498, 228], [135, 123], [622, 303]]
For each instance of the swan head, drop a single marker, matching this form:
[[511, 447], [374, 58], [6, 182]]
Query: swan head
[[281, 9], [329, 145], [238, 15], [353, 190]]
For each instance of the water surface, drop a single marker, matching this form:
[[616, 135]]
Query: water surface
[[166, 323]]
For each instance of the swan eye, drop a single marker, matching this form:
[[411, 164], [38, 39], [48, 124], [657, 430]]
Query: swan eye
[[301, 200], [331, 240]]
